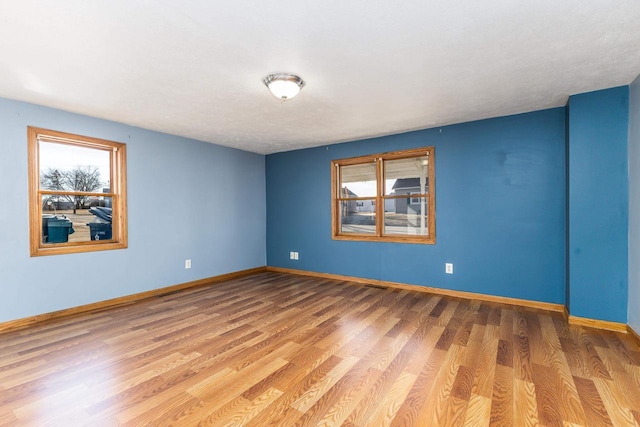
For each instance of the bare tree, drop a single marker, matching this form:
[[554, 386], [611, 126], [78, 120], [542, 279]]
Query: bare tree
[[52, 180], [81, 179]]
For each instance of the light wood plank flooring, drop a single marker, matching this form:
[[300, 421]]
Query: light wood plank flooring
[[285, 350]]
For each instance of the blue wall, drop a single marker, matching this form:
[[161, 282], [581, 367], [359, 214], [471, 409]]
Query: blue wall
[[504, 210], [500, 210], [598, 204], [186, 199], [634, 206]]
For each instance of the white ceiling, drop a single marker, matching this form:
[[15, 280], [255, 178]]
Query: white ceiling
[[194, 67]]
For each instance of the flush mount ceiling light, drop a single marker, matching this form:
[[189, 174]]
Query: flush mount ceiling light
[[283, 86]]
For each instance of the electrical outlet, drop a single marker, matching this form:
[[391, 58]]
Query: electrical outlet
[[448, 268], [296, 256], [187, 263], [293, 255]]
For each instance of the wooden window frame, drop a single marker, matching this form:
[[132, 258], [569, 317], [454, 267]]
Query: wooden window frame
[[379, 159], [118, 194]]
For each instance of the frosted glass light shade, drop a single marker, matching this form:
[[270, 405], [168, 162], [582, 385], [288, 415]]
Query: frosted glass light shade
[[284, 86]]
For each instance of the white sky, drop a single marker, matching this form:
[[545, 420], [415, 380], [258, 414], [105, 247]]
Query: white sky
[[368, 188], [67, 157]]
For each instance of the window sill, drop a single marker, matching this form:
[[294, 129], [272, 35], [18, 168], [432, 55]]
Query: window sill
[[75, 248], [386, 239]]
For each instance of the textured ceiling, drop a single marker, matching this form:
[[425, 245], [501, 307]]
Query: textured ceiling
[[194, 67]]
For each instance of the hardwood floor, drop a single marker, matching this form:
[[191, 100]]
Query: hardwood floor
[[278, 349]]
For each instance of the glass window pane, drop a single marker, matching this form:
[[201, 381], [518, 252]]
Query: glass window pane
[[64, 219], [406, 176], [358, 216], [402, 217], [358, 180], [73, 168]]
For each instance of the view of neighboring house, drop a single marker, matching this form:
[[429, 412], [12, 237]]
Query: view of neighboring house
[[408, 186], [357, 206], [351, 204], [365, 206], [390, 204]]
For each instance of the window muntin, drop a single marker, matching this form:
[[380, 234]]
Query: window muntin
[[385, 197], [77, 189]]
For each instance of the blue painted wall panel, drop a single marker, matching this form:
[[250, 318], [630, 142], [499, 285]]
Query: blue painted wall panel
[[599, 204], [634, 206], [500, 210], [186, 199]]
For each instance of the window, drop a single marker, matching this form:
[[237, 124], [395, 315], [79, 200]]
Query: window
[[77, 193], [399, 188]]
